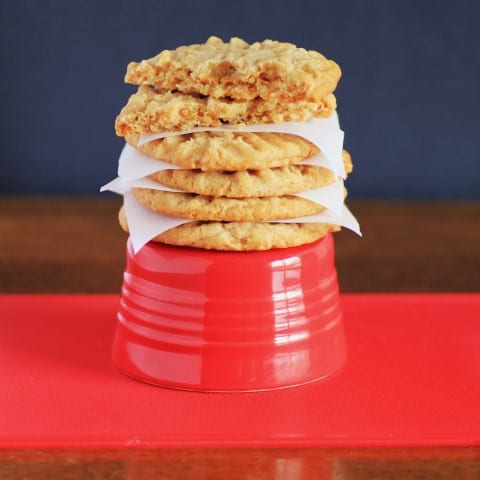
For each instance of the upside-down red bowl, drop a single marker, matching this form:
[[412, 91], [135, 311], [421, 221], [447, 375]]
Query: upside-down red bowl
[[230, 321]]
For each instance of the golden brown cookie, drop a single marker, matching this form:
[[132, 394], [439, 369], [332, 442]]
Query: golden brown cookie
[[201, 207], [149, 111], [268, 69], [228, 150], [278, 181], [240, 236]]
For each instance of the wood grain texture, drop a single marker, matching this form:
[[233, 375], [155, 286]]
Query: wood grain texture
[[60, 245], [257, 464], [75, 245]]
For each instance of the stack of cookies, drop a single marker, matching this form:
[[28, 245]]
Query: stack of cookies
[[215, 153]]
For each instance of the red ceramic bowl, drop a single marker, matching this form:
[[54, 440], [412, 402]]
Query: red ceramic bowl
[[230, 321]]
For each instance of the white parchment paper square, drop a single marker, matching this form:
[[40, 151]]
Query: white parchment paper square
[[324, 133], [144, 225]]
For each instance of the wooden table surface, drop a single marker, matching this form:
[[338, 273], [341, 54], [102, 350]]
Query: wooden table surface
[[60, 245]]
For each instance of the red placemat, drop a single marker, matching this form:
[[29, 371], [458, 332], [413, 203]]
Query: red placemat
[[412, 378]]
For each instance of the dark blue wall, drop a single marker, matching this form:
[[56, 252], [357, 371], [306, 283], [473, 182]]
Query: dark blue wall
[[409, 98]]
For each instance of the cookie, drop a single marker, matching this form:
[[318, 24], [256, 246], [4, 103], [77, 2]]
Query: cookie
[[278, 181], [267, 70], [149, 111], [227, 150], [240, 236], [202, 207]]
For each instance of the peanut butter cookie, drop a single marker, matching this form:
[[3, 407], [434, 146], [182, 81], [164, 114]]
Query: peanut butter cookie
[[227, 150], [149, 111], [202, 207], [240, 236], [237, 70], [278, 181]]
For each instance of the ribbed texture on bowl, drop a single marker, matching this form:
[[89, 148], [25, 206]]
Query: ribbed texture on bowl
[[230, 321]]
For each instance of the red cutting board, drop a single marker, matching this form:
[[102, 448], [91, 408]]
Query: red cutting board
[[412, 378]]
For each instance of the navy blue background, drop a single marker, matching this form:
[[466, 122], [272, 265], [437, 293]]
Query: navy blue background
[[409, 98]]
